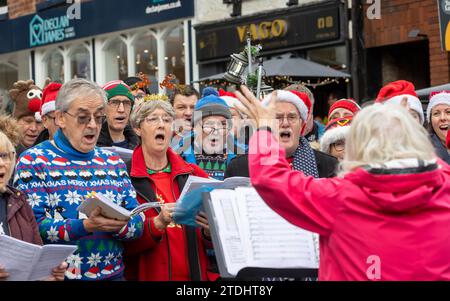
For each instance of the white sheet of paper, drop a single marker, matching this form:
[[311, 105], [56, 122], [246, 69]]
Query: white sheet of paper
[[51, 257], [24, 261], [234, 253], [269, 240]]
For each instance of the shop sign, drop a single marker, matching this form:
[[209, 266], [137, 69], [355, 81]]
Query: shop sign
[[294, 28]]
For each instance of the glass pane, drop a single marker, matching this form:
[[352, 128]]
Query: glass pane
[[55, 66], [116, 60], [335, 57], [80, 63], [8, 76], [146, 54], [175, 62]]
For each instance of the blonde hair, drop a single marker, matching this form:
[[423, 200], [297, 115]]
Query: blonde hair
[[6, 145], [381, 133], [10, 127]]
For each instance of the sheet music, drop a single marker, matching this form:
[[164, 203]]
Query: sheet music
[[51, 257], [24, 261], [17, 257], [234, 253], [269, 240]]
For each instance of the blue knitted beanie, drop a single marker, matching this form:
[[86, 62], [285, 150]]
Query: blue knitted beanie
[[210, 105]]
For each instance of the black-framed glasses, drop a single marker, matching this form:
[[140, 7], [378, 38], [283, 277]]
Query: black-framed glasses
[[86, 119], [7, 156], [116, 103]]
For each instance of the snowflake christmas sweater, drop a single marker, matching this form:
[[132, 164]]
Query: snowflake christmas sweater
[[56, 178]]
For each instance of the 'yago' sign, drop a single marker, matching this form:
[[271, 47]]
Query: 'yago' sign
[[444, 23], [52, 30]]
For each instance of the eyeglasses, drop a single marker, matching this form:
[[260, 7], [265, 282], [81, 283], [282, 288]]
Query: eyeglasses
[[86, 119], [291, 118], [155, 120], [139, 96], [6, 156], [116, 103], [339, 145], [209, 129]]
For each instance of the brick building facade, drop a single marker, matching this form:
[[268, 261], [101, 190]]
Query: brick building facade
[[406, 43]]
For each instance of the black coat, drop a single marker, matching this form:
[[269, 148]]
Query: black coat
[[105, 140], [326, 165]]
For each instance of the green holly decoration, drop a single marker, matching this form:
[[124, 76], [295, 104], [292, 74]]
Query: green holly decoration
[[208, 165], [216, 166]]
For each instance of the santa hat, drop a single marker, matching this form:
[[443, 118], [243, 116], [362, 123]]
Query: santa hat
[[299, 99], [48, 99], [118, 87], [336, 129], [437, 98], [348, 104], [229, 97], [395, 92]]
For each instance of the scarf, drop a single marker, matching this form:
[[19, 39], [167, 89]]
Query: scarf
[[305, 160], [64, 144]]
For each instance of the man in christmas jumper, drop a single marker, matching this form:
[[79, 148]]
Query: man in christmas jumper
[[58, 175]]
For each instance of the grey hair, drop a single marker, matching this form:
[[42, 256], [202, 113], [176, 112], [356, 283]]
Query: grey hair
[[77, 88], [141, 112]]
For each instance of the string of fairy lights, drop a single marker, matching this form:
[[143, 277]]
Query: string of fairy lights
[[282, 81]]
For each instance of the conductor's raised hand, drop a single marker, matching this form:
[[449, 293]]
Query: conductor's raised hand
[[254, 109]]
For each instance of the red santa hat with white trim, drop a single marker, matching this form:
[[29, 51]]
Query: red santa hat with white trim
[[336, 129], [396, 91], [299, 99], [49, 95], [437, 98]]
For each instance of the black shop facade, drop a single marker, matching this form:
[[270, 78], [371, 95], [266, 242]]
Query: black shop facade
[[315, 32]]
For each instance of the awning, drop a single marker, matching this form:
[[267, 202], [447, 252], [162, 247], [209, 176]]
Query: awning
[[425, 93], [285, 65]]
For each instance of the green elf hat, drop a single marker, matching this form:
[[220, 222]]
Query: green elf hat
[[118, 87]]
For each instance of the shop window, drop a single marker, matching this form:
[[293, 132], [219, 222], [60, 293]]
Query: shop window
[[175, 62], [3, 9], [8, 75], [55, 66], [146, 55], [116, 60], [80, 63], [335, 57]]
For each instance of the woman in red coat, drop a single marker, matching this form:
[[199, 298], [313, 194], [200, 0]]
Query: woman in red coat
[[385, 218], [166, 251]]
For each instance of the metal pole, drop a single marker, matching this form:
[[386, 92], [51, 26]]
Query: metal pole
[[249, 52], [258, 87]]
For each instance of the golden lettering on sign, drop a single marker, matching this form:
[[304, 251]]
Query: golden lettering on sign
[[263, 30], [325, 22]]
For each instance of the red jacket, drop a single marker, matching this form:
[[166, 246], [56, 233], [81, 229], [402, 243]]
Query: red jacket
[[148, 259], [371, 226]]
